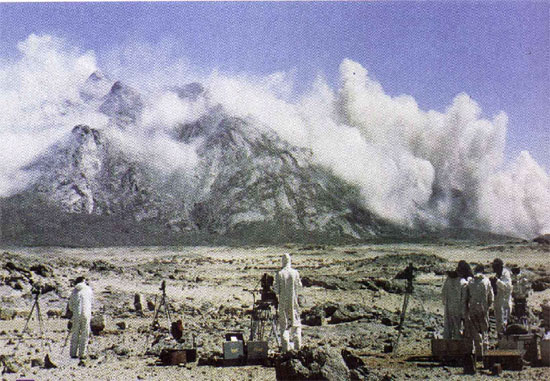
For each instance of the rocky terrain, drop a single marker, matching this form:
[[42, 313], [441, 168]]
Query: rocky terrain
[[350, 310]]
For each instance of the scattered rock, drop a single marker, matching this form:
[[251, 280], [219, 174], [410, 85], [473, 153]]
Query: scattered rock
[[54, 313], [97, 324], [121, 325], [150, 305], [48, 363], [7, 313], [351, 359], [350, 312], [391, 285], [138, 303], [10, 364], [37, 362], [323, 363], [121, 350], [541, 284], [314, 317], [42, 270]]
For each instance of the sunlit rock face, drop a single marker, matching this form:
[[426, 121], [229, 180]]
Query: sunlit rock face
[[243, 174]]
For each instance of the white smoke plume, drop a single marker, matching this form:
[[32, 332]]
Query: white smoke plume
[[414, 167]]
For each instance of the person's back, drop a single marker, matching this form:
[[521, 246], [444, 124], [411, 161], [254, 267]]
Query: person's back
[[287, 285], [81, 300], [80, 304], [452, 301], [479, 297], [480, 294]]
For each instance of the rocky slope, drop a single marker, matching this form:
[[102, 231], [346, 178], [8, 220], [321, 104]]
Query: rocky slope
[[247, 180]]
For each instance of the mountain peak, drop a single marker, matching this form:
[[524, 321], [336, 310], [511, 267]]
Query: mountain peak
[[123, 104]]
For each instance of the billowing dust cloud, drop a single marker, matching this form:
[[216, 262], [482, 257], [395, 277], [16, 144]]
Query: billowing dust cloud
[[414, 167]]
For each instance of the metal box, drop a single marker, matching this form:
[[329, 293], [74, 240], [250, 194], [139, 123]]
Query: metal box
[[509, 359], [233, 350], [178, 356], [443, 348], [257, 350]]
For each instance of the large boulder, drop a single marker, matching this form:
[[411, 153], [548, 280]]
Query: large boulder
[[324, 363], [97, 324], [350, 312]]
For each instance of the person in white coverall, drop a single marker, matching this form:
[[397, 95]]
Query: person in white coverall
[[287, 284], [80, 304], [479, 297], [502, 285], [521, 289], [452, 302]]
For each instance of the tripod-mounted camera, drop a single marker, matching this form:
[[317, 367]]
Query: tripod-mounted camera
[[162, 303], [264, 311], [408, 275], [36, 291]]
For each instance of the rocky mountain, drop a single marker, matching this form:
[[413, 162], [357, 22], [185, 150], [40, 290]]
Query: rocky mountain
[[248, 183]]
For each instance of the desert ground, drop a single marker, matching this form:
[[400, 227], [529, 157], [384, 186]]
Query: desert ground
[[351, 304]]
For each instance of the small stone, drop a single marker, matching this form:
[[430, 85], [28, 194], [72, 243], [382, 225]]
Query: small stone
[[138, 303], [97, 324], [37, 362], [48, 363], [121, 325]]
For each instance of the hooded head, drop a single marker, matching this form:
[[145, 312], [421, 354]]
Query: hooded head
[[78, 280], [464, 270], [286, 260], [498, 266]]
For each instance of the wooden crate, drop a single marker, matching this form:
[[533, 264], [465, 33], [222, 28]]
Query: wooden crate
[[447, 348], [508, 358]]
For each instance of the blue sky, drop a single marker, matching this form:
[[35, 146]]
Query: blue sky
[[498, 53]]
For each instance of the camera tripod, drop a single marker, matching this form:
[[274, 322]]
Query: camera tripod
[[35, 307], [155, 325], [263, 320], [162, 303], [263, 316], [407, 274]]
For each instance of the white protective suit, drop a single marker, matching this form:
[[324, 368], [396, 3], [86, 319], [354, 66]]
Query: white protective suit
[[287, 284], [452, 295], [521, 286], [80, 304], [503, 300], [479, 297], [521, 290]]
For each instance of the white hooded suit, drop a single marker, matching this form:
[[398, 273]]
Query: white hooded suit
[[287, 284], [454, 307], [80, 304], [503, 300], [479, 297]]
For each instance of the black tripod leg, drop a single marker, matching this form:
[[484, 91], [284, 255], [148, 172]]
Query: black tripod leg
[[28, 318], [167, 310], [40, 324]]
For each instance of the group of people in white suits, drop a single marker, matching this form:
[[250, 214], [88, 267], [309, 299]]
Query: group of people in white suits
[[468, 296]]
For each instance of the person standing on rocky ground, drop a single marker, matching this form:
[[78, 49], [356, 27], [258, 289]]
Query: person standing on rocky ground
[[521, 289], [479, 297], [80, 305], [452, 303], [502, 286], [287, 285], [465, 274]]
